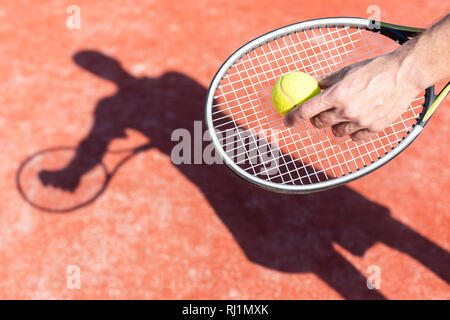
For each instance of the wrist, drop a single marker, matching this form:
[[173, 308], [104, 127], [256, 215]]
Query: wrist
[[411, 73]]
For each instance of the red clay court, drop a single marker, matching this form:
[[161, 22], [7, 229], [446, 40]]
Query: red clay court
[[138, 226]]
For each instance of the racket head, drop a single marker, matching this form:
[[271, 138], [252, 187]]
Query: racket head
[[239, 101], [44, 195]]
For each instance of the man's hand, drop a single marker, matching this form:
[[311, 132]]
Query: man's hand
[[366, 97], [359, 100]]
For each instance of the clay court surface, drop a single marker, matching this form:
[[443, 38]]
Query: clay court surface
[[156, 230]]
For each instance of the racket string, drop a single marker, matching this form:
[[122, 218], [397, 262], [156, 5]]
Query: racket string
[[295, 62], [238, 99], [230, 152], [243, 111]]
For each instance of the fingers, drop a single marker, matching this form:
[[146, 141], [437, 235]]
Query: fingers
[[350, 103], [306, 111], [362, 134], [326, 119], [345, 129], [316, 105], [344, 119]]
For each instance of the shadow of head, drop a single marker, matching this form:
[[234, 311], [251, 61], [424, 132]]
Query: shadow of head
[[100, 65]]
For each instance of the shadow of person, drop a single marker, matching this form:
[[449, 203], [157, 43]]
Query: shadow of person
[[294, 234]]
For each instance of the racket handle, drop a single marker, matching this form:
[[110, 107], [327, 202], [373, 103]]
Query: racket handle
[[410, 32]]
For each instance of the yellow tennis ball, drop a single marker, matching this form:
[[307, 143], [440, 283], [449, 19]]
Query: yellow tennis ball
[[292, 89]]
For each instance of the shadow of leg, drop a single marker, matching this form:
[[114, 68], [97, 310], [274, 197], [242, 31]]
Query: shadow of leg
[[343, 277], [426, 252]]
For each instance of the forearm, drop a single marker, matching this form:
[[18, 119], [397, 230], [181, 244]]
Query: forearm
[[425, 60]]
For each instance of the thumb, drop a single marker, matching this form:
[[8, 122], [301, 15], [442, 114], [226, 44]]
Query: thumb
[[330, 79]]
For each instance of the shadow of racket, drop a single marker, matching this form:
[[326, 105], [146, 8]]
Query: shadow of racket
[[48, 197]]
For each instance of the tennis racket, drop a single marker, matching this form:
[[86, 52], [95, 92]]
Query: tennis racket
[[249, 134]]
